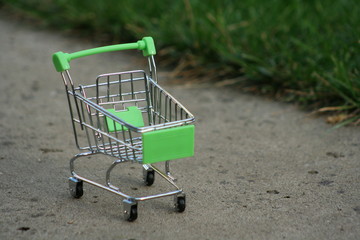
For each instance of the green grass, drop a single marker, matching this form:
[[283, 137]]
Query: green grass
[[305, 51]]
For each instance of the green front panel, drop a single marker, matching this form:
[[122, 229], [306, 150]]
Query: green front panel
[[168, 144]]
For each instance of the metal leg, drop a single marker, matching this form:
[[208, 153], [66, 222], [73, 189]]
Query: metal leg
[[83, 179], [72, 161], [167, 171], [108, 172]]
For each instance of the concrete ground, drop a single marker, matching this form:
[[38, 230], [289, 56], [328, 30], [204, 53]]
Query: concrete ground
[[262, 169]]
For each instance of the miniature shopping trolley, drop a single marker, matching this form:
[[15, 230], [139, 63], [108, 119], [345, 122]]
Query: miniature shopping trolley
[[128, 116]]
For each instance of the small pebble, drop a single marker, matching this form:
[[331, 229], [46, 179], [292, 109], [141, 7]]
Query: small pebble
[[273, 191]]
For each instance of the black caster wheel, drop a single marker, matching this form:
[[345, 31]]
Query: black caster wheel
[[133, 214], [180, 203], [149, 177], [130, 210], [76, 187]]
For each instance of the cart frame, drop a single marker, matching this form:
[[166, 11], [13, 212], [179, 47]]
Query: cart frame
[[98, 130]]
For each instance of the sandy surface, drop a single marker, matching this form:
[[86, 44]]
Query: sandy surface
[[262, 170]]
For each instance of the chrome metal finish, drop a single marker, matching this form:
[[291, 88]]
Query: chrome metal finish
[[108, 183], [167, 170], [158, 195], [89, 116], [165, 176]]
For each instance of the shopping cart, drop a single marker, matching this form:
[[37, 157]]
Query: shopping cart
[[128, 116]]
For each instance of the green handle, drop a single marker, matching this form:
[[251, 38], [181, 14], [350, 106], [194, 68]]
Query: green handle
[[62, 60]]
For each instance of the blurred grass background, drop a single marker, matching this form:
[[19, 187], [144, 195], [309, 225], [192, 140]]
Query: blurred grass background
[[302, 51]]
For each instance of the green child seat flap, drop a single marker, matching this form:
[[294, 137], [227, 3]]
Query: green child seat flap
[[132, 116]]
